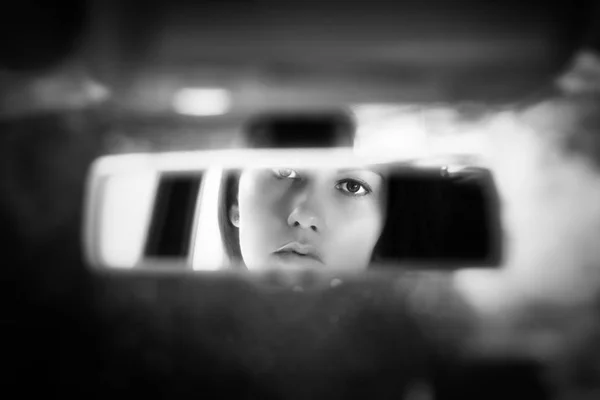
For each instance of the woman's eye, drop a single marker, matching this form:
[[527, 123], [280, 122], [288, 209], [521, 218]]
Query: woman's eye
[[353, 188], [285, 173]]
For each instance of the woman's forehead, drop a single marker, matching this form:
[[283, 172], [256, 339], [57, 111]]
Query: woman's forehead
[[372, 172], [331, 170], [366, 170], [358, 171]]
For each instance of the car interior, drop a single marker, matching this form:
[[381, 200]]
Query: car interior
[[136, 136]]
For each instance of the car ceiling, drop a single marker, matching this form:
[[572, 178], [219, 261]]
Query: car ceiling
[[270, 53]]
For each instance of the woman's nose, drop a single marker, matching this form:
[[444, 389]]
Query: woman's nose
[[302, 217]]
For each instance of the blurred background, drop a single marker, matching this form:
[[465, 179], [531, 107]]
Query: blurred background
[[154, 59]]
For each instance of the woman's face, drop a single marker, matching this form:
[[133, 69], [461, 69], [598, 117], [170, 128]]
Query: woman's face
[[309, 218]]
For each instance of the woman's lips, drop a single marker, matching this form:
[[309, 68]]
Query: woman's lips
[[298, 250]]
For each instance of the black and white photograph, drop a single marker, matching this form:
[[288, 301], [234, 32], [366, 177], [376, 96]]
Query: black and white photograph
[[300, 199]]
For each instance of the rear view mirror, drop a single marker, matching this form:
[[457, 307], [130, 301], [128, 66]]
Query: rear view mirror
[[166, 211]]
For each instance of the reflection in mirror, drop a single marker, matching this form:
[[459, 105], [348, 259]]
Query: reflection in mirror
[[331, 211], [172, 216], [355, 218], [293, 218]]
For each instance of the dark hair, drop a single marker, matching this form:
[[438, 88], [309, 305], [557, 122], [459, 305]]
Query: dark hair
[[228, 193]]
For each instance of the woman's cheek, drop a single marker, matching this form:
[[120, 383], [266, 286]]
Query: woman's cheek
[[260, 224], [255, 233], [355, 227], [365, 211]]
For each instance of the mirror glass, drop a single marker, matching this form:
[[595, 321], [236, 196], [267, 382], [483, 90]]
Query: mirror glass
[[315, 208]]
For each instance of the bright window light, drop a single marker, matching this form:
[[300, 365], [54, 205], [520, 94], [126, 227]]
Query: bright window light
[[202, 102], [410, 132], [208, 249], [402, 136], [232, 159], [125, 214]]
